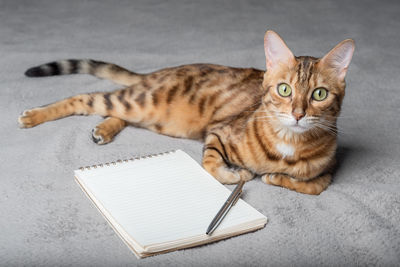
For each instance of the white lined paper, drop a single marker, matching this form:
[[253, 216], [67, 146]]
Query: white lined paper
[[162, 199]]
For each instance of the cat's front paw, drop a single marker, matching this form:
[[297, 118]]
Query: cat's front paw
[[100, 136], [269, 178], [30, 118], [228, 176], [312, 187]]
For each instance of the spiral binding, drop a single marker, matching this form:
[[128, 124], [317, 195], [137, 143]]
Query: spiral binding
[[120, 161]]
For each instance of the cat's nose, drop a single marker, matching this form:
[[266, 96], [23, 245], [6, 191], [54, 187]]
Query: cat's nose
[[298, 114]]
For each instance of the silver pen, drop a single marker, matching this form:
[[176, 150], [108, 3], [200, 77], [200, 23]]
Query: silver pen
[[229, 203]]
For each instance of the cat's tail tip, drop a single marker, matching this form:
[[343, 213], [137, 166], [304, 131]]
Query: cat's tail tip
[[69, 66], [35, 72]]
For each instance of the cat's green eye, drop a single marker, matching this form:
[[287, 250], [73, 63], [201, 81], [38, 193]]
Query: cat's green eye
[[319, 94], [284, 90]]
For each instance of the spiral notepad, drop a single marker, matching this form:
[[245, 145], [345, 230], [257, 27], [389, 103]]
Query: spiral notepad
[[163, 202]]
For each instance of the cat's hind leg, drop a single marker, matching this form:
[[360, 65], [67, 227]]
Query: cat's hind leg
[[104, 132], [77, 105], [215, 161], [103, 104]]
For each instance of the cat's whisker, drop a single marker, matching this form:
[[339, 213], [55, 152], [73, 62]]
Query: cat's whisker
[[330, 127], [328, 124], [282, 115], [315, 131], [327, 129]]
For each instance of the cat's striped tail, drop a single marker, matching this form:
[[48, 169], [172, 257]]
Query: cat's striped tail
[[99, 69]]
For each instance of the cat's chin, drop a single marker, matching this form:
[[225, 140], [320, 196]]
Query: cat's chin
[[298, 129], [289, 126], [290, 131]]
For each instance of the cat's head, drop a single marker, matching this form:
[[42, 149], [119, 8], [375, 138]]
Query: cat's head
[[304, 94]]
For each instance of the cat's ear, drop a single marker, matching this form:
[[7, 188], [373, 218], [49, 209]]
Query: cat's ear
[[338, 59], [276, 51]]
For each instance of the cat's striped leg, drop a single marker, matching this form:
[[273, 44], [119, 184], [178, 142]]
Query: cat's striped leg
[[312, 187], [85, 104], [216, 162], [77, 105], [107, 129]]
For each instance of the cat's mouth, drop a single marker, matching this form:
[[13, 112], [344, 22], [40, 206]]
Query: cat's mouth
[[291, 124], [297, 128]]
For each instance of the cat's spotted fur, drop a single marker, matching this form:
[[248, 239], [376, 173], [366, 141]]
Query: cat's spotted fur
[[247, 127]]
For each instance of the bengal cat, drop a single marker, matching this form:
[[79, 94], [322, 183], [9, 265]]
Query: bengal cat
[[279, 124]]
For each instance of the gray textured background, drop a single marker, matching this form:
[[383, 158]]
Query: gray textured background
[[45, 218]]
